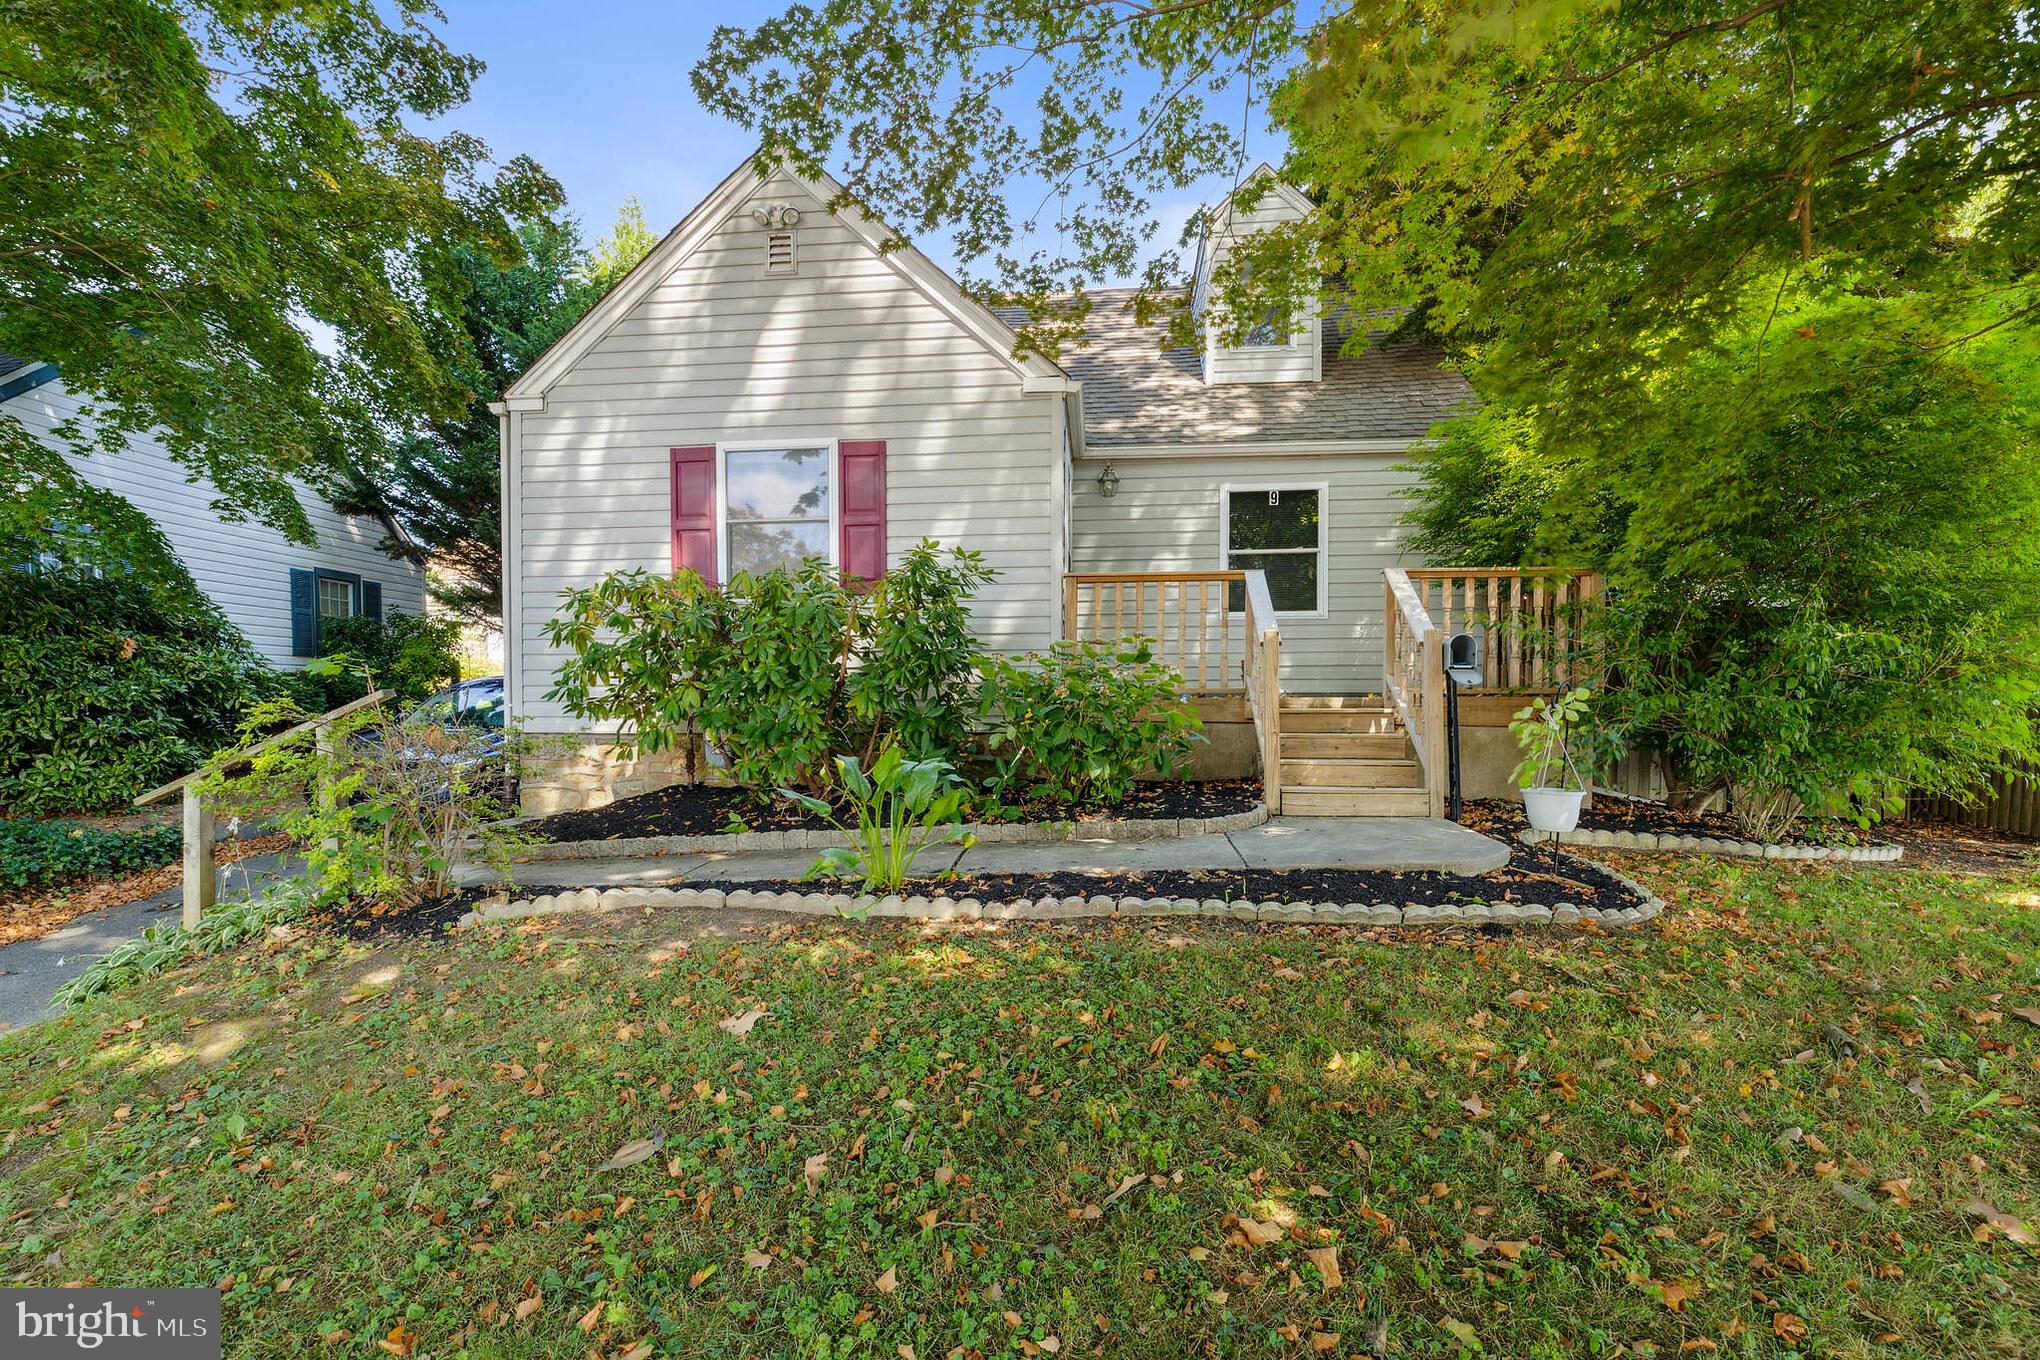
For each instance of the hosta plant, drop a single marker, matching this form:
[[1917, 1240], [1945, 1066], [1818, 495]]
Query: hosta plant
[[895, 811]]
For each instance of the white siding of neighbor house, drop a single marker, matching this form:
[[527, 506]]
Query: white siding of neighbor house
[[242, 566], [718, 352], [1165, 517]]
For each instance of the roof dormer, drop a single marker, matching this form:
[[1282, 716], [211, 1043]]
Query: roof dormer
[[1277, 348]]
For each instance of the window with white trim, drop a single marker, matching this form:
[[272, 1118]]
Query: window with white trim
[[336, 598], [775, 508], [1279, 530]]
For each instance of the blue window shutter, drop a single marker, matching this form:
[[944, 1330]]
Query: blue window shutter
[[371, 599], [304, 613]]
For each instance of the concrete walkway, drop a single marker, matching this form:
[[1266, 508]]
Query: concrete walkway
[[1403, 843], [32, 970]]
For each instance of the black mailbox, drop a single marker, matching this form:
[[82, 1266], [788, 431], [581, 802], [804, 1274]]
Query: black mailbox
[[1464, 661]]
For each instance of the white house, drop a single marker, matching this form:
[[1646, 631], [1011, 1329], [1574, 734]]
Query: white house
[[275, 591], [769, 382]]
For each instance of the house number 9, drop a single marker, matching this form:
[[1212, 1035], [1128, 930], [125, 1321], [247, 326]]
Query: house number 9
[[1274, 498]]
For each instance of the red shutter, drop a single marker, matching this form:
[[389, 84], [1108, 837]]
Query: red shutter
[[862, 512], [694, 510]]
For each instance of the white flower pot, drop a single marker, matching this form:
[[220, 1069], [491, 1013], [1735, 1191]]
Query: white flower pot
[[1553, 810]]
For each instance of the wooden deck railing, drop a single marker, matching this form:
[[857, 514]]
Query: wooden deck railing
[[1413, 676], [1190, 617], [200, 877], [1216, 629], [1530, 620], [1261, 672], [1530, 616]]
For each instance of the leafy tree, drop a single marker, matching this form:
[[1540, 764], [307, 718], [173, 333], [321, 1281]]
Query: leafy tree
[[1820, 569], [616, 254], [117, 680], [193, 188], [442, 483], [1583, 190]]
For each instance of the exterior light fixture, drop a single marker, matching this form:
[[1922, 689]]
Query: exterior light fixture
[[1108, 483]]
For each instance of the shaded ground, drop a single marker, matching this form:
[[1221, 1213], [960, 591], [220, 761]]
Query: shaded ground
[[29, 913], [704, 810], [1965, 849], [673, 1139], [31, 970]]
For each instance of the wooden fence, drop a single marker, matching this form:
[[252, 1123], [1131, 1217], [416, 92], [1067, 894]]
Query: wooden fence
[[2011, 805]]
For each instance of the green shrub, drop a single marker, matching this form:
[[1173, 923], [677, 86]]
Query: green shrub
[[385, 808], [897, 811], [779, 671], [36, 853], [114, 683], [1079, 724], [221, 928], [412, 654]]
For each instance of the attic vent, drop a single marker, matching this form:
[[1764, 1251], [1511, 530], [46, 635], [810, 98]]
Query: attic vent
[[779, 256]]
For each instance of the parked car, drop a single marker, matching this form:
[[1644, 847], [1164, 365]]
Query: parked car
[[461, 728]]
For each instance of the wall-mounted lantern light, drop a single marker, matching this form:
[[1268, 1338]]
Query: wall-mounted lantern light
[[1108, 482]]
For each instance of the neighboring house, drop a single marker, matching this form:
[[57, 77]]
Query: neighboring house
[[769, 383], [275, 591]]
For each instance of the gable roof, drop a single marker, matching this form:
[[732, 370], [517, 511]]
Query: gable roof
[[917, 270], [1137, 393]]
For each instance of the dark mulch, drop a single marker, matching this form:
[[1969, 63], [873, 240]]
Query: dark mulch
[[705, 810], [362, 919], [1562, 878], [1502, 819]]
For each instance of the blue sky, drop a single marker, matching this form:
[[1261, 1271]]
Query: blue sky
[[598, 93]]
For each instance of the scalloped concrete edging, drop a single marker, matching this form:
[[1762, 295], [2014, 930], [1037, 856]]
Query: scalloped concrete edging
[[1715, 845], [820, 838], [920, 908]]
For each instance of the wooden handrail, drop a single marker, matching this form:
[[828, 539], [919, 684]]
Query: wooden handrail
[[201, 879], [1262, 673], [271, 742]]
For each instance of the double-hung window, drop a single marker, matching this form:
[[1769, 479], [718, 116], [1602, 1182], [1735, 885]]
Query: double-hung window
[[336, 598], [1279, 530], [777, 508]]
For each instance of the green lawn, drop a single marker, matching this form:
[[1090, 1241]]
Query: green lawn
[[1155, 1141]]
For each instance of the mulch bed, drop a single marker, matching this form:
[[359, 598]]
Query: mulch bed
[[706, 810], [1564, 878], [1502, 819], [31, 913], [361, 919]]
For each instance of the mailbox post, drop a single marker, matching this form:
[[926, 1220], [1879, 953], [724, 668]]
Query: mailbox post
[[1464, 665]]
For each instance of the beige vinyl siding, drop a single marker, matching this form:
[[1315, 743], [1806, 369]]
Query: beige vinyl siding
[[242, 566], [721, 353], [1166, 518]]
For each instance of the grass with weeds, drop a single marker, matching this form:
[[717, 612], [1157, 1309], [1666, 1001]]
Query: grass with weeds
[[1794, 1117]]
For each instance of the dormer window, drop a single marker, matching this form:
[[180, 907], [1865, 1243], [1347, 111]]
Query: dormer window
[[1271, 330], [1285, 343]]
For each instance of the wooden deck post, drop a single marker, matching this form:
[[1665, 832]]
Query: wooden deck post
[[201, 879]]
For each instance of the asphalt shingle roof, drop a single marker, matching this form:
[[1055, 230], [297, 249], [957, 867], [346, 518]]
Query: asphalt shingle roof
[[1135, 392], [10, 364]]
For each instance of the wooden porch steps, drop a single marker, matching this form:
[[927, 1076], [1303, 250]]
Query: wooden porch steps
[[1346, 755], [1309, 802]]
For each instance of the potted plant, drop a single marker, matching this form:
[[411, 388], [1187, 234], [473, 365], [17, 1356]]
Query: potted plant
[[1541, 731]]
